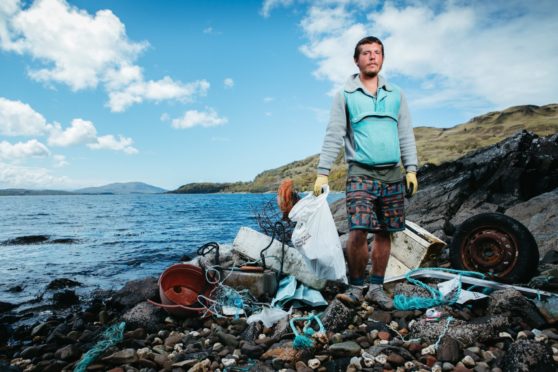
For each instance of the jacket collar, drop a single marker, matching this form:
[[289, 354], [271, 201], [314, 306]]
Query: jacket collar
[[353, 83]]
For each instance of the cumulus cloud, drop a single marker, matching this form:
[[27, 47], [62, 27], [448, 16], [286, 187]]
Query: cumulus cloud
[[29, 177], [19, 119], [82, 50], [80, 131], [461, 54], [23, 150], [268, 99], [157, 91], [229, 83], [193, 118], [110, 142]]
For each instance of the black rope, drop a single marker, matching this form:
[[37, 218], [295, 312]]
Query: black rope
[[209, 247], [278, 227]]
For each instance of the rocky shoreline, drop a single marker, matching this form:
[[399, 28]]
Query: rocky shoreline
[[504, 332]]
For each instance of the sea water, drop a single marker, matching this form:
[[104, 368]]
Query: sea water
[[103, 241]]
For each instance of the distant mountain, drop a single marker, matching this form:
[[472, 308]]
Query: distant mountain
[[122, 188], [434, 145], [16, 192]]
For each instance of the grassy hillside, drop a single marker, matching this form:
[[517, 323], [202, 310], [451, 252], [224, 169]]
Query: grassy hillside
[[434, 145]]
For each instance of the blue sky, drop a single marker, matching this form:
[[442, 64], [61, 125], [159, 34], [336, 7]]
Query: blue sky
[[172, 92]]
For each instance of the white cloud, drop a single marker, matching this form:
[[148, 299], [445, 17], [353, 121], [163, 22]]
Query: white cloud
[[193, 118], [208, 30], [82, 50], [268, 99], [463, 55], [81, 131], [31, 148], [29, 177], [163, 89], [109, 142], [60, 161], [268, 114], [268, 6], [229, 83], [19, 119]]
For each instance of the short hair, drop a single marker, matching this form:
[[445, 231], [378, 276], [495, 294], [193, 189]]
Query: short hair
[[367, 40]]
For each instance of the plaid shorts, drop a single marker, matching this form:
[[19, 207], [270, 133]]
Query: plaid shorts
[[374, 205]]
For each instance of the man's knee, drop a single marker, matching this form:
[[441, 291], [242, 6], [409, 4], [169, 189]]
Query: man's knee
[[358, 236]]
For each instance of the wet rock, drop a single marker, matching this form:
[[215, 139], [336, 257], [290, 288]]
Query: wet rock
[[449, 350], [227, 339], [65, 298], [68, 353], [395, 359], [528, 355], [15, 289], [62, 283], [282, 329], [6, 306], [252, 350], [511, 302], [347, 348], [337, 316], [134, 292], [125, 356], [25, 240], [410, 290], [283, 351], [466, 333], [144, 315], [381, 316]]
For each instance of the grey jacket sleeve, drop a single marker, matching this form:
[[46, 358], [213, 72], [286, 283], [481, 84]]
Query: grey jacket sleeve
[[335, 133], [407, 137]]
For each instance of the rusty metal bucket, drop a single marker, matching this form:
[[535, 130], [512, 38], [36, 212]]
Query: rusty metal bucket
[[180, 286]]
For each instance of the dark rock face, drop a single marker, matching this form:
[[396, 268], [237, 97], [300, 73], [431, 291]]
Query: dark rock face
[[143, 315], [62, 283], [528, 355], [511, 302], [336, 316], [518, 177], [135, 292], [491, 179]]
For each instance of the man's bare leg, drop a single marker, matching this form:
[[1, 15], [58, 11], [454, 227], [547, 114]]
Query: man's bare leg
[[380, 258], [380, 253], [357, 256]]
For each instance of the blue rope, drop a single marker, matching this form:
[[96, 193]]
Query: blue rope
[[446, 328], [113, 335], [303, 340], [402, 302]]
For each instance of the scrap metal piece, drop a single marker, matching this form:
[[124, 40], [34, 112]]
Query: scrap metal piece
[[435, 274]]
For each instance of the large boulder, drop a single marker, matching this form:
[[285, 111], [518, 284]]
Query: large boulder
[[134, 292], [529, 356], [539, 216]]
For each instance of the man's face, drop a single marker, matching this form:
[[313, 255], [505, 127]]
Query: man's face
[[370, 59]]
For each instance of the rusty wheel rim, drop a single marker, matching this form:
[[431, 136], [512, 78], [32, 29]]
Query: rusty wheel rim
[[490, 250]]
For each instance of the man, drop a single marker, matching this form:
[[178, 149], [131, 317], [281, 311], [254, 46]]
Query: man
[[370, 116]]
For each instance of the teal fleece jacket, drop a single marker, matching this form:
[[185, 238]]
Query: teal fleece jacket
[[337, 133]]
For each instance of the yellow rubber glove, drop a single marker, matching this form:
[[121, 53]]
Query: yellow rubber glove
[[321, 180], [411, 183]]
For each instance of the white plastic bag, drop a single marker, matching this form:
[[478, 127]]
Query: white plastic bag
[[315, 235]]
